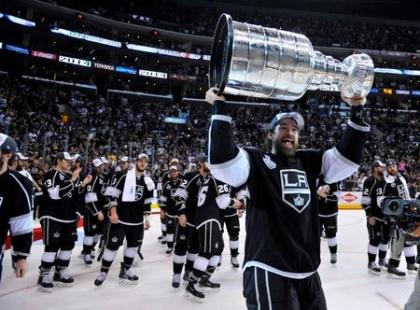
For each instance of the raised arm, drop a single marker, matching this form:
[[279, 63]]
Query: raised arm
[[343, 160], [227, 162]]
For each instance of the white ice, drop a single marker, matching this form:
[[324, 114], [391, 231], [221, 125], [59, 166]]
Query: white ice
[[347, 284]]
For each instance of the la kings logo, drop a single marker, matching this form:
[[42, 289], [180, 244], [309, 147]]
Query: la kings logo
[[139, 192], [295, 189]]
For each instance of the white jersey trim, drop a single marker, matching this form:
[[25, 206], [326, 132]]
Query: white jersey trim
[[234, 172], [223, 118], [329, 215], [358, 127], [56, 219], [336, 167], [286, 274]]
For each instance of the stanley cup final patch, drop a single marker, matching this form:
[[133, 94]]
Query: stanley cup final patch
[[295, 189]]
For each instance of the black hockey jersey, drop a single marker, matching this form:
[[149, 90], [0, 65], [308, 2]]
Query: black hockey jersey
[[372, 189], [95, 198], [168, 202], [15, 212], [213, 196], [79, 193], [328, 206], [396, 186], [282, 221], [131, 212], [58, 203], [187, 195]]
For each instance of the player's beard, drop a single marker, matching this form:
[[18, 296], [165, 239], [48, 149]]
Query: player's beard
[[280, 149]]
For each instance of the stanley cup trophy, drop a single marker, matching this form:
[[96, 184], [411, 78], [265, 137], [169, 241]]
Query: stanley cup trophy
[[255, 61]]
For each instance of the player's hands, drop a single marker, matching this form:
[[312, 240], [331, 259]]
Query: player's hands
[[371, 220], [323, 191], [87, 180], [240, 213], [354, 101], [182, 220], [212, 96], [237, 204], [146, 225], [113, 217], [20, 268], [75, 174], [101, 216]]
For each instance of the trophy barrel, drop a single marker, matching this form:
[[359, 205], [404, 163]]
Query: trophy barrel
[[255, 61]]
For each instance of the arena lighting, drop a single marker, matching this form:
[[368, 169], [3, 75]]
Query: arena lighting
[[388, 70], [1, 45], [387, 91], [128, 70], [412, 72], [402, 92], [415, 92], [398, 71], [161, 51], [16, 49], [75, 61], [86, 37], [1, 15], [175, 120], [44, 55], [20, 21]]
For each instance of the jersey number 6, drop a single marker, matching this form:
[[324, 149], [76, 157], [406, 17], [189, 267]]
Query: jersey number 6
[[202, 195]]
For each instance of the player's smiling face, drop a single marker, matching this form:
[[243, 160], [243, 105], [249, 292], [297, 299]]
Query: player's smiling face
[[285, 138]]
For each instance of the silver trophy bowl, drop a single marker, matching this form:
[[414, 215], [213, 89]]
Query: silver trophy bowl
[[255, 61]]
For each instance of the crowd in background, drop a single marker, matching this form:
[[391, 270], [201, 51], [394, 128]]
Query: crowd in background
[[45, 118]]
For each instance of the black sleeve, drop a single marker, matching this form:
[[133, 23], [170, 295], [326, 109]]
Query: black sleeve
[[354, 136], [222, 143], [368, 193], [227, 162], [66, 186], [182, 194], [20, 220]]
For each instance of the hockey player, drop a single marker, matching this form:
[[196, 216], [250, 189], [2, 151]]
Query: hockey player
[[186, 243], [94, 213], [58, 219], [230, 219], [164, 176], [213, 195], [328, 212], [282, 249], [378, 230], [169, 207], [15, 208], [130, 195]]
